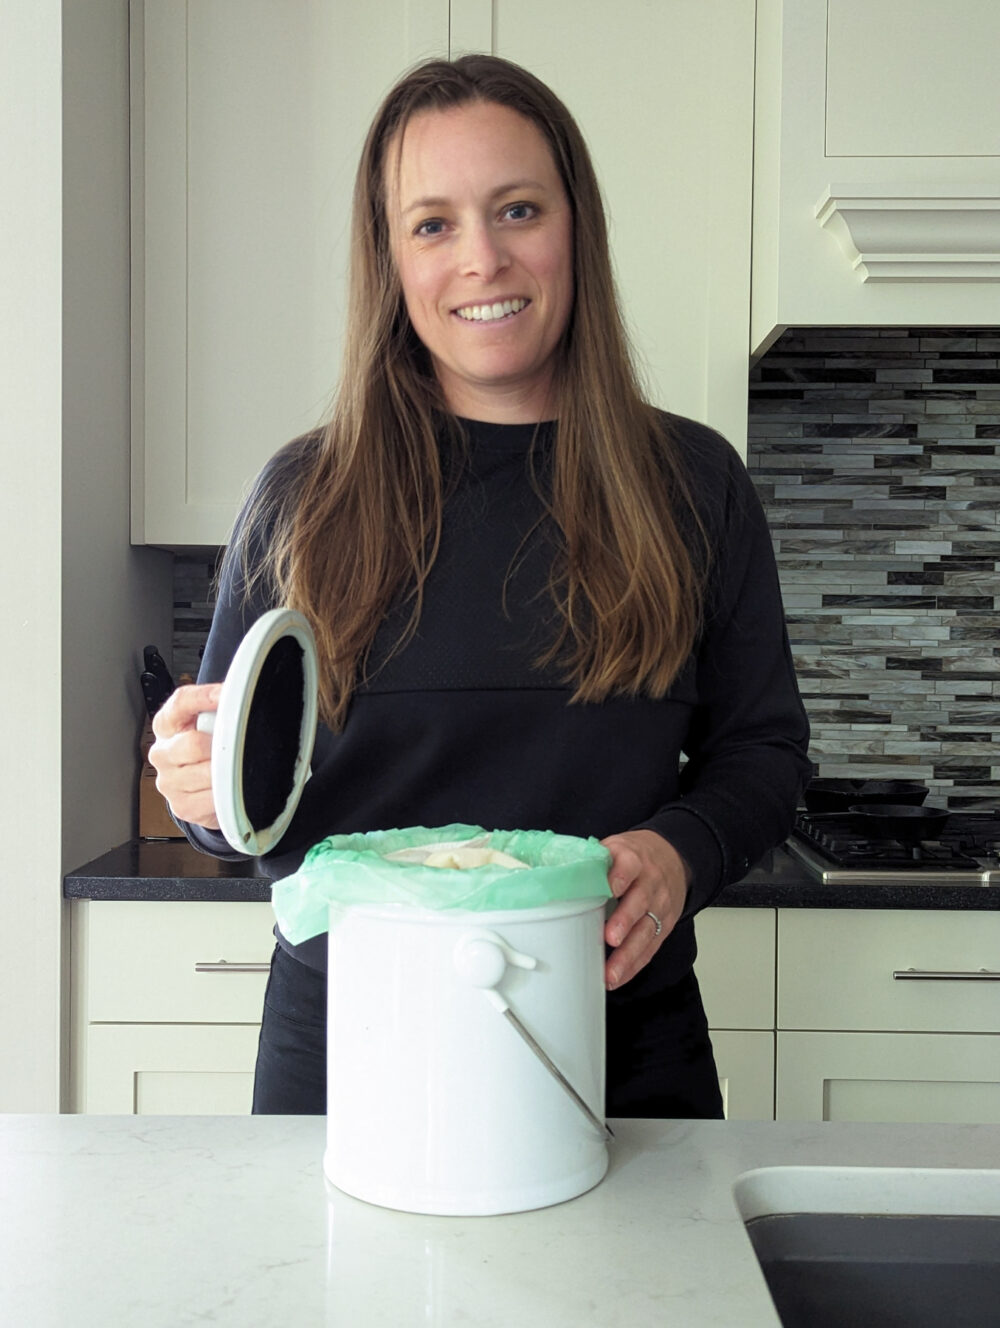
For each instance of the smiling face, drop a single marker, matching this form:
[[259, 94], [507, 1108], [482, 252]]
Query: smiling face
[[482, 237]]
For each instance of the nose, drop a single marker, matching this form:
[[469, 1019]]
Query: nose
[[483, 253]]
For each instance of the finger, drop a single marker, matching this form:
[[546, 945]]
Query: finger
[[189, 747], [628, 914], [188, 792], [184, 779], [625, 866], [181, 709], [198, 809], [634, 953]]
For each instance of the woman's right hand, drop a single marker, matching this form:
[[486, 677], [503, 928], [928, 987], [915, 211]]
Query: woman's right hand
[[182, 754]]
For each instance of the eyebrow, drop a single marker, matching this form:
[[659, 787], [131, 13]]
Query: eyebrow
[[433, 201]]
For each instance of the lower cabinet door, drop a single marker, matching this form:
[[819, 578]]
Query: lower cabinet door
[[932, 1077], [170, 1069], [736, 965], [745, 1062]]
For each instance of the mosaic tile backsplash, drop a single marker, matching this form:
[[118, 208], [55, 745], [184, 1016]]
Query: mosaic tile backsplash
[[877, 456], [194, 596]]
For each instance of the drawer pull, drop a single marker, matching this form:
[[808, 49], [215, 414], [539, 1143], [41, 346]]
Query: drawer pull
[[231, 966], [934, 975]]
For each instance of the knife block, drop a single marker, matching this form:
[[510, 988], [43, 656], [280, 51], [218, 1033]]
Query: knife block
[[155, 821]]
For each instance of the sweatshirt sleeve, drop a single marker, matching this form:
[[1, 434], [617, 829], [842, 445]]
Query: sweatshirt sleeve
[[235, 613], [747, 745], [231, 620]]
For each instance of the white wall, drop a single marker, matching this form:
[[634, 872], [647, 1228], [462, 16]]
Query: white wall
[[115, 598], [80, 603], [30, 513]]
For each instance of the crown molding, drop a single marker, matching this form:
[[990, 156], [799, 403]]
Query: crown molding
[[923, 234]]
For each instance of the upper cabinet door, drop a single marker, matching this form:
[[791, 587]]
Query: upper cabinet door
[[664, 96], [248, 119], [877, 165]]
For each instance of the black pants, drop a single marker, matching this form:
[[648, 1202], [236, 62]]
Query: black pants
[[659, 1056]]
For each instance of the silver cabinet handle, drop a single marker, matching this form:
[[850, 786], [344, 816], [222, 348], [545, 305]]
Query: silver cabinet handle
[[934, 975], [230, 966]]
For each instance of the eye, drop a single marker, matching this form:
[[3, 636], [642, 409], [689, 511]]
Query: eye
[[520, 211], [429, 228]]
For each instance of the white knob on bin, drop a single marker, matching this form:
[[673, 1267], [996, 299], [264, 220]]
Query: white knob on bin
[[481, 958]]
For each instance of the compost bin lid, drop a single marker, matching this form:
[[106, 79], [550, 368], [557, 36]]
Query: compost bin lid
[[264, 730]]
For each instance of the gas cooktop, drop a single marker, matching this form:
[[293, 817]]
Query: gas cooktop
[[965, 852]]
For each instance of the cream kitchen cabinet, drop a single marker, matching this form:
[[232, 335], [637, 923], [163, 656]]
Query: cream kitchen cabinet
[[736, 973], [167, 1001], [248, 119], [876, 165], [888, 1015], [664, 96], [167, 1004]]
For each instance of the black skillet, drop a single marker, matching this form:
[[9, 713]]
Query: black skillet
[[837, 795], [887, 820]]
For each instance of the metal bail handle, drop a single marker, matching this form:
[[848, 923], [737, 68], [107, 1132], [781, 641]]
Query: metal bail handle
[[481, 959]]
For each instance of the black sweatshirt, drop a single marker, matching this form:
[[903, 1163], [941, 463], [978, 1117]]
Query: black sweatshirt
[[460, 726]]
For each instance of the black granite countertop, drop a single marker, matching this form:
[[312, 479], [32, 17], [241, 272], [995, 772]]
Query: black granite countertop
[[173, 870], [165, 869]]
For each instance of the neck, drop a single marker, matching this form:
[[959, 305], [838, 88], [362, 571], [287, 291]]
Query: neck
[[500, 404]]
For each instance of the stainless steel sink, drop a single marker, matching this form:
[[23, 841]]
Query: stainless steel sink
[[845, 1247]]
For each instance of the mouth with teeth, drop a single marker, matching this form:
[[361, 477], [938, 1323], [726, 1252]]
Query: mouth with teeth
[[492, 313]]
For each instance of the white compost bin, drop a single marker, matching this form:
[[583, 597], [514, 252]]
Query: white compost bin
[[436, 1104]]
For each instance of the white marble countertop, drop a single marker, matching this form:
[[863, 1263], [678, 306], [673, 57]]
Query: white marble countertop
[[158, 1222]]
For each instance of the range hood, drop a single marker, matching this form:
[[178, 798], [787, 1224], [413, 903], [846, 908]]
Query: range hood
[[919, 234]]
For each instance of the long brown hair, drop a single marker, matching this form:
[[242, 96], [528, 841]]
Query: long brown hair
[[360, 526]]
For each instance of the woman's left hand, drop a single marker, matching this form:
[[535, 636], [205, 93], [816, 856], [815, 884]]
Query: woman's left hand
[[647, 876]]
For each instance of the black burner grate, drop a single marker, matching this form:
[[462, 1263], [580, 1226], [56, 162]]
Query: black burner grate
[[966, 840]]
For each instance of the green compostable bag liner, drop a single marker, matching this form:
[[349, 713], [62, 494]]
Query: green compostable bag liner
[[353, 869]]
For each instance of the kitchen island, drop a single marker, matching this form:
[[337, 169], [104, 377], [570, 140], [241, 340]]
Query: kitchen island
[[175, 1220]]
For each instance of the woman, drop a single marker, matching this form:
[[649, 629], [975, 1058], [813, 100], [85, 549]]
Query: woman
[[533, 594]]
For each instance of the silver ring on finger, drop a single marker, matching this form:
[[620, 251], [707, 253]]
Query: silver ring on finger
[[656, 922]]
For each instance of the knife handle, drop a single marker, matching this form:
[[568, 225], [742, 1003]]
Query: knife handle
[[152, 692], [155, 664]]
